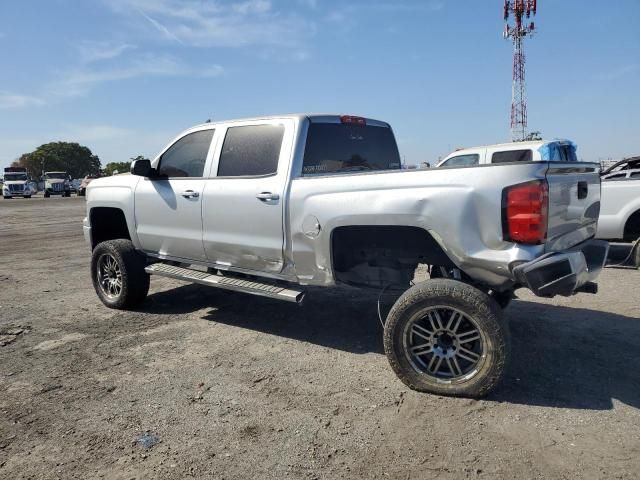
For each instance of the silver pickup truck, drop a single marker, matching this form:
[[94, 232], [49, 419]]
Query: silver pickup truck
[[267, 206]]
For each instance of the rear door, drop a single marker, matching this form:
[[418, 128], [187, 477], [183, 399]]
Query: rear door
[[243, 201], [574, 203]]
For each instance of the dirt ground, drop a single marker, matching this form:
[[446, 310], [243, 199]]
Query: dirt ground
[[213, 384]]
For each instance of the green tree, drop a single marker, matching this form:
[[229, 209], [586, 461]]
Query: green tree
[[120, 167], [73, 158]]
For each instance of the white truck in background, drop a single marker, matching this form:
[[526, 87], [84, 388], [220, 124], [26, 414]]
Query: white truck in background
[[620, 208], [17, 183], [57, 183], [558, 150]]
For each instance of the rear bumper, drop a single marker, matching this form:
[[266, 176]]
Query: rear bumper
[[564, 273]]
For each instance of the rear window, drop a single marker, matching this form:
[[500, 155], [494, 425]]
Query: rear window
[[252, 150], [342, 148], [462, 161], [512, 156]]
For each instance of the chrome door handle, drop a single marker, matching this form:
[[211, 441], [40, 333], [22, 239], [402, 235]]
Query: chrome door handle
[[190, 194], [267, 196]]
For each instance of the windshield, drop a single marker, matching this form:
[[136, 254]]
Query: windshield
[[13, 177], [57, 176], [336, 147]]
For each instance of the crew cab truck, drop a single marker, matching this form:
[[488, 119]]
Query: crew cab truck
[[16, 183], [57, 183], [270, 205]]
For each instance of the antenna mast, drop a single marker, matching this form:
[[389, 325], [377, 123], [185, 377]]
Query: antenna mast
[[520, 10]]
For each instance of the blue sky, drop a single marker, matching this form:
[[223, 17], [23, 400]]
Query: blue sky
[[124, 76]]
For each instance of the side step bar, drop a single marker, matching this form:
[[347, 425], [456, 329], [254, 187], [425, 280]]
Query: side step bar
[[227, 283]]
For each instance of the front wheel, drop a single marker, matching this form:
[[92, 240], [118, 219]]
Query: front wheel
[[445, 337], [6, 197], [47, 194], [118, 275]]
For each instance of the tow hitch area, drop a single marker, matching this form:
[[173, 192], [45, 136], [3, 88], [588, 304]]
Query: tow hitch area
[[565, 273]]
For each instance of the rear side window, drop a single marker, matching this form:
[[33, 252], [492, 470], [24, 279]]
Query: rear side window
[[617, 176], [342, 148], [186, 157], [462, 161], [252, 150], [511, 156]]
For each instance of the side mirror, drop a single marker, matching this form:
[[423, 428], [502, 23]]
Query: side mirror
[[142, 168]]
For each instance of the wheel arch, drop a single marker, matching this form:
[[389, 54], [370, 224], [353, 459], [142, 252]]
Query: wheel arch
[[108, 223], [632, 227], [379, 255]]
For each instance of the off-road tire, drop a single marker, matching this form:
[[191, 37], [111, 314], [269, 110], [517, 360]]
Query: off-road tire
[[466, 299], [135, 281]]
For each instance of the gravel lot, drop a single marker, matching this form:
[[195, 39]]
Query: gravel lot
[[233, 386]]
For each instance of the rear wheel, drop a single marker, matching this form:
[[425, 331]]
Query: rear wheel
[[118, 275], [448, 338]]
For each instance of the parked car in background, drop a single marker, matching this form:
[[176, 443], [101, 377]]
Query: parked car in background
[[537, 150], [82, 188], [620, 204], [267, 206]]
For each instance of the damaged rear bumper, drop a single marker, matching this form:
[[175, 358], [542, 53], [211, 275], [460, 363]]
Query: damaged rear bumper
[[564, 273]]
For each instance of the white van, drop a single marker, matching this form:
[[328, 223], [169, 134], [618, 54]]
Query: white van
[[532, 151]]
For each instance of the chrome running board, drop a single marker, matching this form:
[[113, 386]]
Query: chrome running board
[[227, 282]]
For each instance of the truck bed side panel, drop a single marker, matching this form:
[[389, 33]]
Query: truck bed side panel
[[460, 207]]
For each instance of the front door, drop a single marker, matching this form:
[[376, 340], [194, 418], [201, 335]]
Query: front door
[[168, 207], [243, 204]]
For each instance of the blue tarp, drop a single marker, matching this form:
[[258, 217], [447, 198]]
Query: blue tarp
[[558, 151]]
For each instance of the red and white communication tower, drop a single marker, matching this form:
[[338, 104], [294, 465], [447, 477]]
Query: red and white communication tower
[[520, 10]]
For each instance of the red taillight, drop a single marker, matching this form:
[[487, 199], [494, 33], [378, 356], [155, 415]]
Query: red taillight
[[353, 120], [525, 212]]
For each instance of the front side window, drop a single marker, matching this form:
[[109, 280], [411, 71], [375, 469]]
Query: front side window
[[343, 148], [251, 150], [186, 157], [462, 161], [512, 156]]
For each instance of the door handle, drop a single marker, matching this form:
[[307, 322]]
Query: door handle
[[583, 190], [267, 196], [190, 194]]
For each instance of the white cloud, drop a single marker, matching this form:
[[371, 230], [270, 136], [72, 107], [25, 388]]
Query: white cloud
[[93, 133], [217, 24], [81, 80], [98, 51], [616, 73], [13, 100], [160, 27]]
